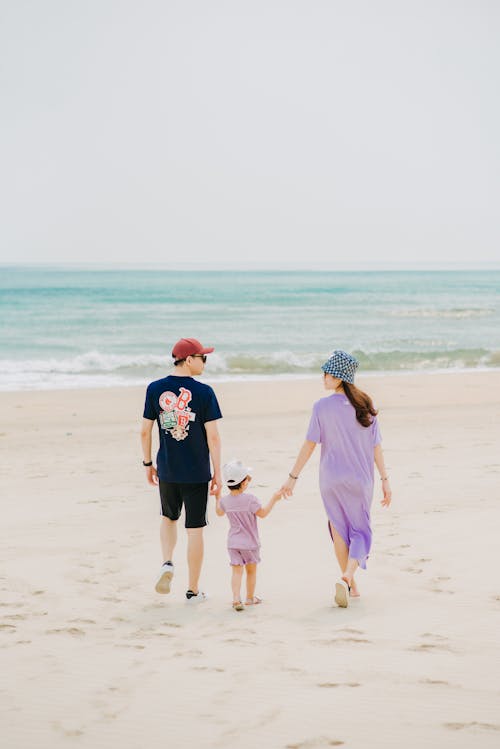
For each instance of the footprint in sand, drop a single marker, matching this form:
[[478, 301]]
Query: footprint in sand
[[191, 653], [434, 643], [74, 631], [351, 630], [436, 585], [69, 732], [11, 605], [436, 682], [319, 743], [343, 640], [413, 570], [238, 641], [334, 685], [7, 628], [473, 724]]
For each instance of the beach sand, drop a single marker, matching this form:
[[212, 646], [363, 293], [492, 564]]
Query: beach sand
[[93, 657]]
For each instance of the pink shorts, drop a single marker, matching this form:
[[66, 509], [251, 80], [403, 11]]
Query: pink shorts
[[243, 556]]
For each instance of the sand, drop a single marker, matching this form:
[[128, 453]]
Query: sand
[[91, 656]]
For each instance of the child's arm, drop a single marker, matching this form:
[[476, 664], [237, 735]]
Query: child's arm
[[267, 509], [218, 509]]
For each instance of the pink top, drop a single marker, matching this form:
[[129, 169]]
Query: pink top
[[240, 510]]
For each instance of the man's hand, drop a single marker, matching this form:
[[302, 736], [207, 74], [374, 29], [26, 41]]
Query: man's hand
[[152, 475], [216, 485]]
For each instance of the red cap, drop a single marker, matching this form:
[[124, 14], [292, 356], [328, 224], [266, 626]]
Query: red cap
[[188, 347]]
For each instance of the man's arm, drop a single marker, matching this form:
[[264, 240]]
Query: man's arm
[[146, 440], [214, 446]]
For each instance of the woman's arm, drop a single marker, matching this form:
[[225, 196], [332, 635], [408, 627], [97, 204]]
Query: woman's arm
[[305, 453], [380, 463]]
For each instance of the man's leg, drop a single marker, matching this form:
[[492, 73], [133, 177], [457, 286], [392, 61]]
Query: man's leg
[[194, 556], [195, 504], [168, 537], [171, 504]]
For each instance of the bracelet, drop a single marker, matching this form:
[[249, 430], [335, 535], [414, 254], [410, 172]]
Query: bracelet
[[384, 478], [147, 465], [293, 477]]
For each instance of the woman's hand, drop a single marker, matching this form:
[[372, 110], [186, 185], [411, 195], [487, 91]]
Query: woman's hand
[[288, 487], [386, 488]]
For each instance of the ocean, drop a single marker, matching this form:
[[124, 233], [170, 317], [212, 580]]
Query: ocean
[[75, 328]]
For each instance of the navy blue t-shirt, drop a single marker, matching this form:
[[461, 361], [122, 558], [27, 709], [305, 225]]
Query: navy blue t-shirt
[[181, 406]]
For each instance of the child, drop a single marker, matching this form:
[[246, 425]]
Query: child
[[243, 541]]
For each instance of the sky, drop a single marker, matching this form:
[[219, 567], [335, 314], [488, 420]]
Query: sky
[[300, 132]]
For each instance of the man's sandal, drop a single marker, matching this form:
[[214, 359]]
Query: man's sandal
[[238, 606]]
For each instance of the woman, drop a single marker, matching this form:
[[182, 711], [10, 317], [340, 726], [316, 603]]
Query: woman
[[345, 424]]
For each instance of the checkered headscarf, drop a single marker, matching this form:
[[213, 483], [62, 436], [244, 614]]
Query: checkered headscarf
[[341, 365]]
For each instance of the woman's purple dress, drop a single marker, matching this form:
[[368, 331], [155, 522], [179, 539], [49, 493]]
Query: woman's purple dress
[[346, 470]]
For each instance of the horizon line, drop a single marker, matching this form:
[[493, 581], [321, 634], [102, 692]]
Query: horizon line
[[224, 266]]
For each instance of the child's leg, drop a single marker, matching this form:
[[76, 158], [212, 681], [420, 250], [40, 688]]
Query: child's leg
[[251, 570], [236, 581]]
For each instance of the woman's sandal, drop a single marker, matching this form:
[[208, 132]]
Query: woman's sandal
[[238, 606], [253, 601], [342, 590]]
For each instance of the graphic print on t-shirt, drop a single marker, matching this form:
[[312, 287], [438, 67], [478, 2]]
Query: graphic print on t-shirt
[[176, 414]]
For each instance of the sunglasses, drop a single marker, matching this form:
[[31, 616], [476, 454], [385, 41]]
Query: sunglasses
[[203, 357]]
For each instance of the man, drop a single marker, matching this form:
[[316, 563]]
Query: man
[[186, 412]]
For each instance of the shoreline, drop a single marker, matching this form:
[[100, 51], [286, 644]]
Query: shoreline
[[264, 378]]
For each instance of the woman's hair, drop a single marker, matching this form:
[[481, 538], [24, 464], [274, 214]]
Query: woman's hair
[[362, 404]]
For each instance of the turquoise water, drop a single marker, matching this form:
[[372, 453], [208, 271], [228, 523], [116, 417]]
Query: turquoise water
[[83, 328]]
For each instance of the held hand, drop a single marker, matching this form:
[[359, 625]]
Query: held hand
[[386, 488], [288, 487], [152, 476], [216, 485], [277, 495]]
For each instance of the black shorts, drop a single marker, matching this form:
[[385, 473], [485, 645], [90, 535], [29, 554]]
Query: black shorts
[[194, 497]]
